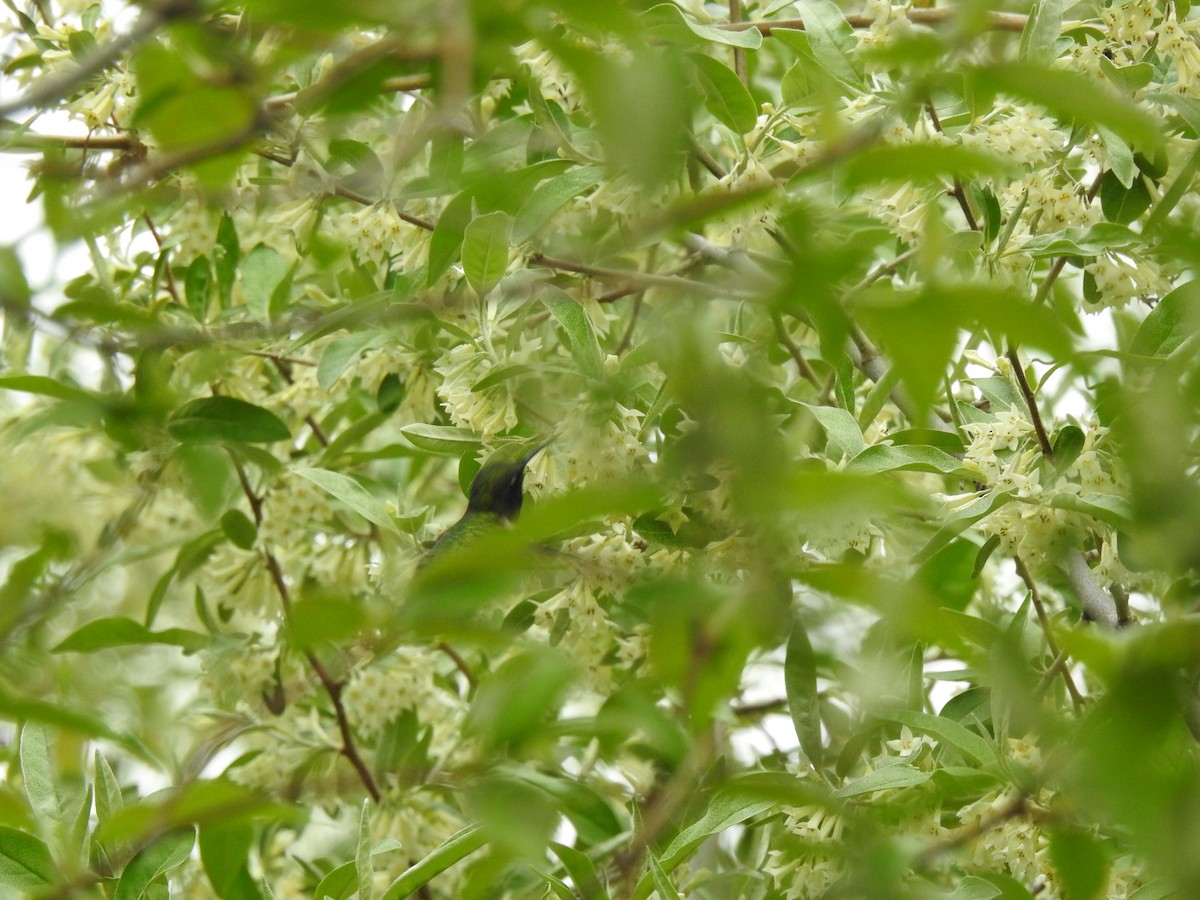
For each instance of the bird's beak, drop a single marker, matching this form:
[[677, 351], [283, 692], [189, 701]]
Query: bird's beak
[[535, 451]]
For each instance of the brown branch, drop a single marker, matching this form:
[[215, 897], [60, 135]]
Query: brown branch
[[1030, 402], [1048, 630], [460, 664], [959, 194], [170, 276], [793, 349], [333, 688], [1017, 807], [633, 277], [996, 21]]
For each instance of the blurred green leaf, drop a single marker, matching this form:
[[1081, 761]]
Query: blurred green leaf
[[225, 854], [116, 631], [264, 271], [1072, 96], [800, 680], [1081, 863], [25, 861], [514, 701], [225, 419]]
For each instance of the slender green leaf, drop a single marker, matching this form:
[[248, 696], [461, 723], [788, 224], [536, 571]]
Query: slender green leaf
[[351, 493], [947, 731], [800, 682], [446, 440], [100, 634], [455, 849], [581, 336], [37, 771], [551, 196], [888, 778]]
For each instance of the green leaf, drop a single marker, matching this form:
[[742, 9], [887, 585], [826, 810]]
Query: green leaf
[[456, 848], [832, 40], [117, 631], [1120, 204], [746, 38], [263, 271], [238, 528], [485, 250], [1175, 319], [724, 94], [920, 162], [223, 418], [728, 807], [845, 438], [800, 683], [512, 704], [1041, 32], [225, 855], [109, 798], [444, 440], [1074, 96], [1081, 863], [888, 778], [445, 243], [226, 256], [166, 853], [47, 387], [662, 883], [351, 493], [1120, 162], [25, 861], [343, 351], [907, 458], [37, 772], [550, 196], [362, 855], [949, 732], [197, 286], [581, 336]]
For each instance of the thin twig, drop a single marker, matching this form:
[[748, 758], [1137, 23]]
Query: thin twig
[[1030, 402], [958, 192], [332, 687], [793, 349], [996, 21], [1048, 630], [634, 277], [460, 664]]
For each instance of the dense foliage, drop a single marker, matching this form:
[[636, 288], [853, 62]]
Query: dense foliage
[[861, 561]]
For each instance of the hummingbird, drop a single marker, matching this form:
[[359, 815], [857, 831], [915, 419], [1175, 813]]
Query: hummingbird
[[494, 499]]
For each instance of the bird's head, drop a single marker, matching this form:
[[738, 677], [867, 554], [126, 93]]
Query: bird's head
[[499, 485]]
